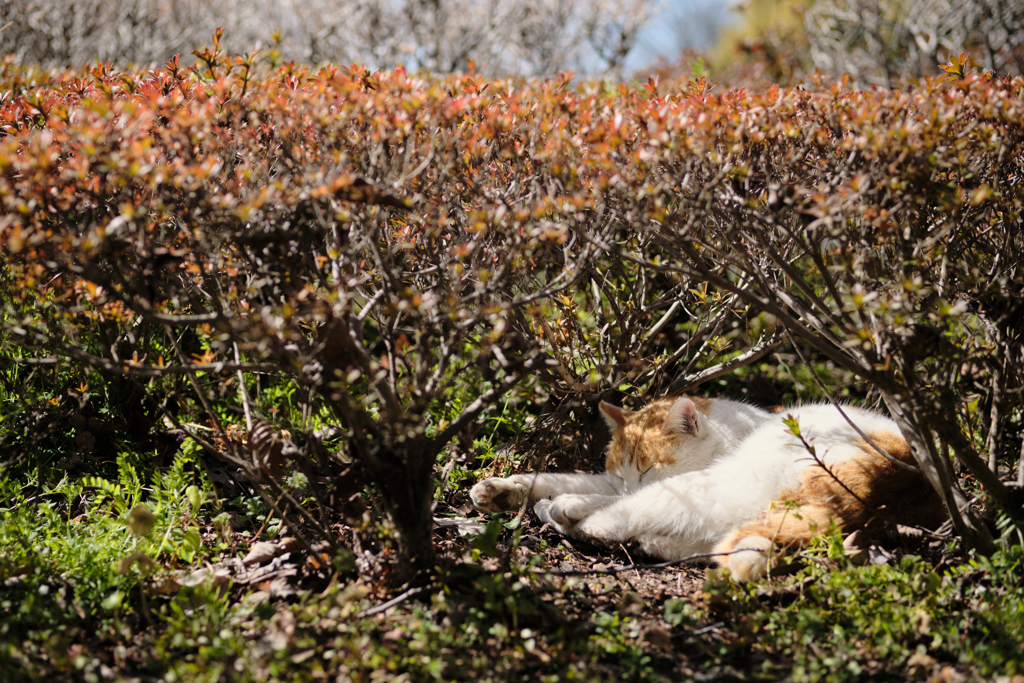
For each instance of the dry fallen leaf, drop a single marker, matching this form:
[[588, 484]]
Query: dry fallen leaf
[[164, 585], [465, 526], [262, 552], [659, 637]]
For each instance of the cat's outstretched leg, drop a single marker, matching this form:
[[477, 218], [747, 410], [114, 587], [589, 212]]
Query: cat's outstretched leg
[[509, 493], [671, 519]]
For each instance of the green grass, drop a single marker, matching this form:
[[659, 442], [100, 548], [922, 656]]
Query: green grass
[[853, 623], [72, 556], [73, 608], [80, 549]]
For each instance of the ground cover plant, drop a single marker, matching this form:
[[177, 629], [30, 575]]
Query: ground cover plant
[[263, 326]]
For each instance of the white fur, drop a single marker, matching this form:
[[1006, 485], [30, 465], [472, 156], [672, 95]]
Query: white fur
[[689, 513], [540, 486], [737, 463], [719, 432]]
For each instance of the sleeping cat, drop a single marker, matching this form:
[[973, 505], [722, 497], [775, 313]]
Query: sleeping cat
[[693, 476]]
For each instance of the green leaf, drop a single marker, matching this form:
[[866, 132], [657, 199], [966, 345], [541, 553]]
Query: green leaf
[[191, 541], [195, 498], [112, 601]]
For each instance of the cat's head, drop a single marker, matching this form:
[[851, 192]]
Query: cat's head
[[668, 436]]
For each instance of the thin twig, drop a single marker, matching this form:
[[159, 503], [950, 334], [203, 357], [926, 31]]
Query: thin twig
[[631, 567], [200, 394], [821, 463], [413, 592], [814, 373], [243, 394], [266, 521], [1020, 465], [676, 305], [629, 557], [755, 353], [402, 597], [148, 371]]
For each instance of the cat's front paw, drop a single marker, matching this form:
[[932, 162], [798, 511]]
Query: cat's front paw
[[565, 510], [579, 516], [749, 558], [498, 495], [551, 514]]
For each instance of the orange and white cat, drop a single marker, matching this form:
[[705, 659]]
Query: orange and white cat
[[691, 476]]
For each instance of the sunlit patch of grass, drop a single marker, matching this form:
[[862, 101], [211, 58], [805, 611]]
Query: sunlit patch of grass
[[72, 556], [854, 623]]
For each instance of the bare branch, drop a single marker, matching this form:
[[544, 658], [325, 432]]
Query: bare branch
[[751, 355]]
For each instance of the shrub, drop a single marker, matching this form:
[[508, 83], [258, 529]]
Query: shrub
[[402, 251]]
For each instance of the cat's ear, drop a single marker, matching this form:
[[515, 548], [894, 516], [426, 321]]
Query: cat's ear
[[614, 416], [681, 419]]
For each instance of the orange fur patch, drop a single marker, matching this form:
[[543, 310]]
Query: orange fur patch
[[640, 442], [866, 491]]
